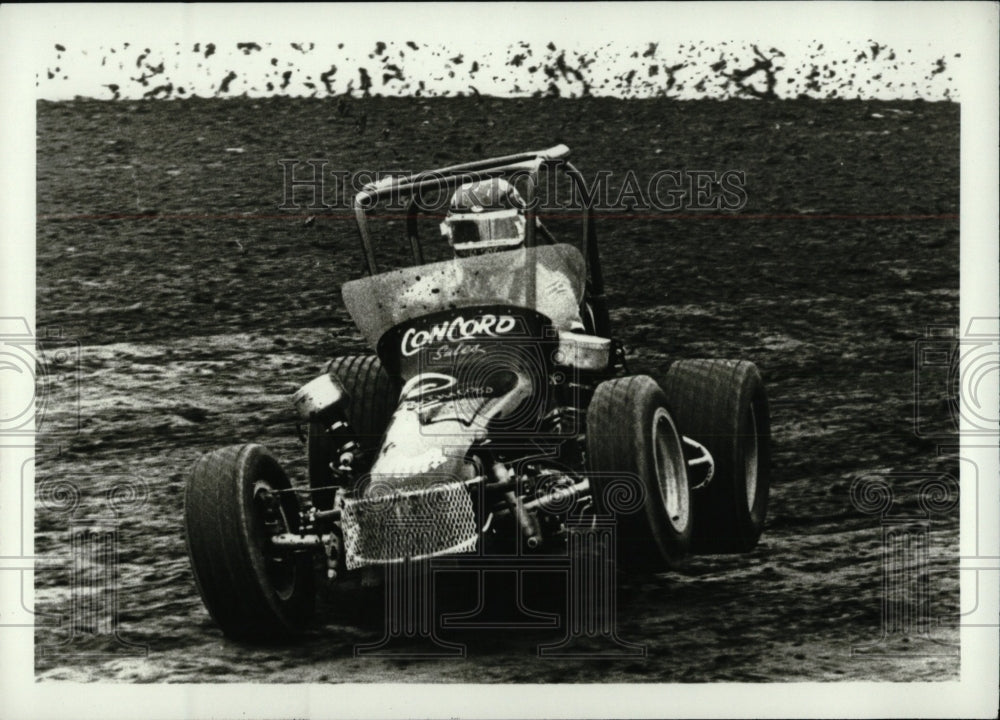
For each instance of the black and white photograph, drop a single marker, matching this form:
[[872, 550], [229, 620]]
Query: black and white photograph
[[499, 359]]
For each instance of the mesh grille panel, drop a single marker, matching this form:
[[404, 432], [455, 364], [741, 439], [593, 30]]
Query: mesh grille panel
[[387, 525]]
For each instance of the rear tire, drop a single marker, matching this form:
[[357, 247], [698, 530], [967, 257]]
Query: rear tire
[[722, 404], [253, 591], [372, 398], [631, 438]]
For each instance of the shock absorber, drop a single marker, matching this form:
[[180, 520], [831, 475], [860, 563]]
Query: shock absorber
[[528, 523], [321, 401], [345, 455]]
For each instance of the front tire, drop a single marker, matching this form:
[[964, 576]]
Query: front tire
[[253, 591], [637, 472], [722, 404]]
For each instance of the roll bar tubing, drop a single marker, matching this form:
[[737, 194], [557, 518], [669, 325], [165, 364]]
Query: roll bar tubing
[[449, 178]]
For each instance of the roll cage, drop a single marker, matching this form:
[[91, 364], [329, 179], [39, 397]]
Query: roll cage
[[523, 166]]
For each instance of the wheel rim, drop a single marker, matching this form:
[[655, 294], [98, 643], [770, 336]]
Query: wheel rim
[[271, 520], [750, 451], [670, 476]]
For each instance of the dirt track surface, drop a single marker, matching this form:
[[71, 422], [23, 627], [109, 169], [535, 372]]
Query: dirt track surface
[[199, 307]]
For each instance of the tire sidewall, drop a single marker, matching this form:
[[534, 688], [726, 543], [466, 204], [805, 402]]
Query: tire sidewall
[[646, 538], [749, 520], [255, 463], [673, 544], [752, 396]]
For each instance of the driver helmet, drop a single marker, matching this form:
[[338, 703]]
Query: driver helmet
[[484, 216]]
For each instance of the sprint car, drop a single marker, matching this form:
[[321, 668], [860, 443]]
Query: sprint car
[[478, 424]]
